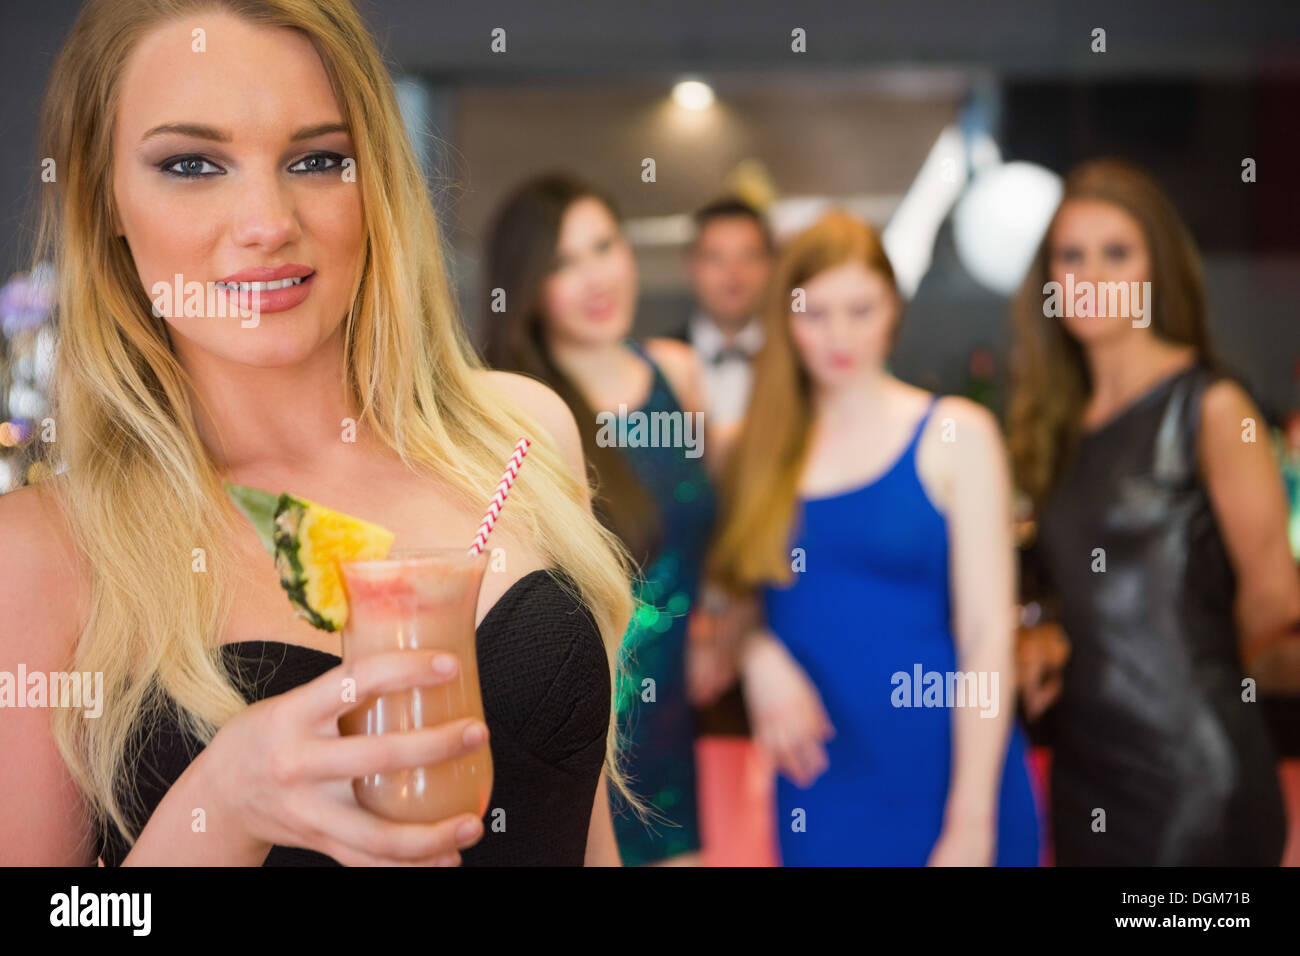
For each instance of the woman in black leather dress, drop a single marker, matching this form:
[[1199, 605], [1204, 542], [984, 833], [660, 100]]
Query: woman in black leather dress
[[1161, 536]]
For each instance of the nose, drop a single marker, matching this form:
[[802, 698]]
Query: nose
[[840, 330], [265, 214], [600, 276]]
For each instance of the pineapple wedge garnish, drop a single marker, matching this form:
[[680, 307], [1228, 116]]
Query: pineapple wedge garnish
[[307, 541]]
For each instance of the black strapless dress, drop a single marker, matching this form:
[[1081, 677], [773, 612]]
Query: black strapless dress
[[1151, 727], [546, 696]]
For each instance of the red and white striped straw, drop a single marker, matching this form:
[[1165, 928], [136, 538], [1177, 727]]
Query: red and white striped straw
[[499, 496]]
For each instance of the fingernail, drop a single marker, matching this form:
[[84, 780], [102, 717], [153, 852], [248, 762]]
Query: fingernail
[[467, 830], [444, 663], [474, 735]]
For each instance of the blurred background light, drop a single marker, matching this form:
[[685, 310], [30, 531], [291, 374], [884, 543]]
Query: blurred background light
[[693, 95], [1001, 219]]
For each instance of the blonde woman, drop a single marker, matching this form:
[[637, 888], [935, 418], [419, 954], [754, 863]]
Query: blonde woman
[[276, 151], [873, 521]]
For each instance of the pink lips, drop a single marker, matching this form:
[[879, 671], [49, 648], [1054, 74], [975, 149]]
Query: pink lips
[[268, 274], [601, 309], [275, 300]]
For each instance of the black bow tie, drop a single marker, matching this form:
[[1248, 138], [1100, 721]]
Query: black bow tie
[[729, 352]]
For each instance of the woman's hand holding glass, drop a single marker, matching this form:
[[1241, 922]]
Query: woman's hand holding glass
[[283, 773]]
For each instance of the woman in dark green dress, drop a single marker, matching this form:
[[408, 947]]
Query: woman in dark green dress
[[562, 292]]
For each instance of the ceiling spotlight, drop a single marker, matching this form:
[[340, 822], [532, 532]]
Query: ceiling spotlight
[[693, 95]]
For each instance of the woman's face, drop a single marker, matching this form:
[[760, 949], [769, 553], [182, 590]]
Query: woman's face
[[253, 181], [590, 296], [1098, 243], [846, 327]]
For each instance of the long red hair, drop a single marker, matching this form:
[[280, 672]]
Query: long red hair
[[760, 480]]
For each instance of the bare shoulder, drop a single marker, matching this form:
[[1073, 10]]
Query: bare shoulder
[[1224, 407], [543, 403], [674, 357], [41, 613], [1233, 438], [680, 366], [963, 424], [961, 455], [671, 351], [521, 388], [42, 585]]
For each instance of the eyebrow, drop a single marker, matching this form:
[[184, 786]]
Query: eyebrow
[[221, 136]]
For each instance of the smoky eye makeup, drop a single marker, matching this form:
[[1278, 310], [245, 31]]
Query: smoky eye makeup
[[189, 166], [198, 166], [323, 160]]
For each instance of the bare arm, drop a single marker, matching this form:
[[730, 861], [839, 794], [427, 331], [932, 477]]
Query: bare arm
[[171, 838], [554, 414], [45, 821], [602, 846], [1246, 493], [983, 592]]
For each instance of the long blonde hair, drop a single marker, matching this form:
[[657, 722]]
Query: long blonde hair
[[760, 479], [139, 488]]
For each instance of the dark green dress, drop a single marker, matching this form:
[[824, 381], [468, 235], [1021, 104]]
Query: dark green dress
[[656, 720]]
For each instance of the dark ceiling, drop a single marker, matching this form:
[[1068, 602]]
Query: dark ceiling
[[1027, 37], [1031, 43]]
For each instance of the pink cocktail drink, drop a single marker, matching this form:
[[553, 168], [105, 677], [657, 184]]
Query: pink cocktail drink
[[423, 599]]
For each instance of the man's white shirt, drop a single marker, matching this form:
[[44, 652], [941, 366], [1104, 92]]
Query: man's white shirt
[[727, 370]]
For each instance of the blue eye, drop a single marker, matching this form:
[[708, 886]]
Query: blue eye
[[188, 163], [333, 158], [196, 167]]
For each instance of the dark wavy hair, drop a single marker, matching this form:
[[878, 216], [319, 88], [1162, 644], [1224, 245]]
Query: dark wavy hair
[[522, 240]]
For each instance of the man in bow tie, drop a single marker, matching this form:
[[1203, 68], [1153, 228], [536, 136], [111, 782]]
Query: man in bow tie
[[728, 263]]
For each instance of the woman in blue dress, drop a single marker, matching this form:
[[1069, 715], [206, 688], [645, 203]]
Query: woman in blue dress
[[872, 522], [562, 296]]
